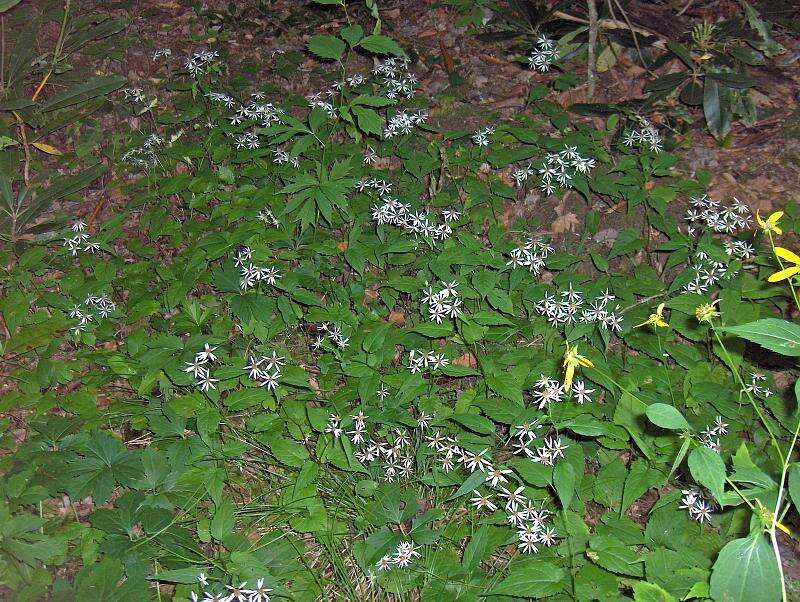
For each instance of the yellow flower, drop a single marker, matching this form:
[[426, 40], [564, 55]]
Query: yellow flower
[[771, 223], [572, 359], [706, 312], [767, 517], [786, 272], [656, 319]]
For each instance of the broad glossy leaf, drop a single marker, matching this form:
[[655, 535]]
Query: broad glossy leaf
[[746, 570]]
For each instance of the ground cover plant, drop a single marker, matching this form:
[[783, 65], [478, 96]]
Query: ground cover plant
[[317, 356]]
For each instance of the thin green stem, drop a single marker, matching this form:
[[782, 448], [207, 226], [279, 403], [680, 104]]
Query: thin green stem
[[738, 376]]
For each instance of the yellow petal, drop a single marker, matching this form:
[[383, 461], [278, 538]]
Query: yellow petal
[[660, 309], [787, 255], [759, 220], [777, 230], [783, 527], [587, 363], [784, 274], [774, 217], [662, 323]]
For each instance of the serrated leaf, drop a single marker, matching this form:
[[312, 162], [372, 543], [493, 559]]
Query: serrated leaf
[[327, 47], [223, 520], [380, 44], [531, 578], [780, 336]]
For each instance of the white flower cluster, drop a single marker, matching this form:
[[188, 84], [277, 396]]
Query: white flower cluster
[[145, 155], [426, 360], [442, 304], [315, 101], [267, 217], [251, 274], [265, 369], [199, 61], [133, 94], [646, 136], [531, 254], [697, 503], [396, 452], [222, 98], [551, 450], [248, 140], [405, 552], [399, 214], [549, 390], [80, 241], [200, 368], [558, 169], [233, 593], [334, 334], [403, 122], [162, 53], [396, 77], [755, 388], [571, 309], [265, 114], [281, 156], [707, 273], [712, 214], [709, 436], [101, 305], [522, 513], [543, 55], [397, 455], [481, 137]]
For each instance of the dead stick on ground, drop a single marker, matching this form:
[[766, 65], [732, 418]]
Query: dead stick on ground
[[661, 43], [590, 64]]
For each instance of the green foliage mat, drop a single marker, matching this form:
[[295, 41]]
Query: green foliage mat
[[316, 354]]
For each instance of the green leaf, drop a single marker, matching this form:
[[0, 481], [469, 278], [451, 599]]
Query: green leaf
[[780, 336], [506, 385], [708, 469], [611, 554], [105, 463], [667, 417], [223, 521], [368, 120], [381, 45], [716, 99], [531, 578], [631, 413], [473, 481], [650, 592], [352, 34], [7, 4], [186, 575], [564, 478], [93, 87], [482, 543], [327, 47], [474, 422], [288, 452], [746, 570], [794, 484]]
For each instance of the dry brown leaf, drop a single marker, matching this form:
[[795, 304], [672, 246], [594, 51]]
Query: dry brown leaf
[[397, 317], [468, 360], [564, 223]]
